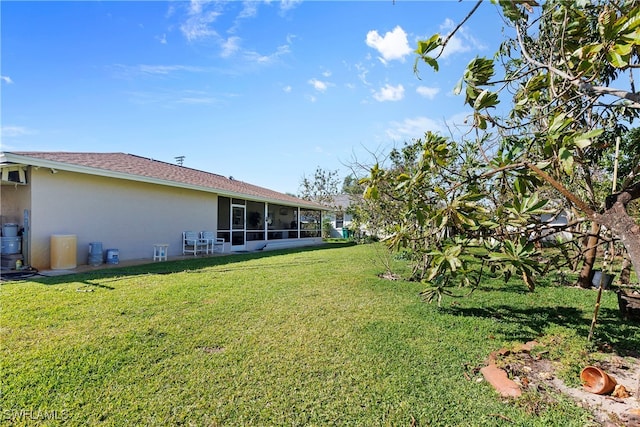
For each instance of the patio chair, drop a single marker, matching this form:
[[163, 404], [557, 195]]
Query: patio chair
[[215, 244], [192, 243]]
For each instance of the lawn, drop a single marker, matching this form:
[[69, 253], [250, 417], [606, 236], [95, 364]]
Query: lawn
[[306, 337]]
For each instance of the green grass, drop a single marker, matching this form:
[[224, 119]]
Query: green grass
[[307, 337]]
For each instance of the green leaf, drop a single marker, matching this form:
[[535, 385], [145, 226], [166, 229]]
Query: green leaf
[[519, 186], [623, 49], [510, 10], [543, 165], [566, 159], [371, 193], [537, 83], [458, 88], [559, 123], [486, 99], [431, 62], [616, 59], [479, 121], [426, 46], [584, 140], [479, 71]]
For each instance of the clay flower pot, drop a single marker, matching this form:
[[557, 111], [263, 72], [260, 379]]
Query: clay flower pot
[[597, 381]]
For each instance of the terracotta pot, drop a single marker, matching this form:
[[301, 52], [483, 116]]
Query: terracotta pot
[[595, 380]]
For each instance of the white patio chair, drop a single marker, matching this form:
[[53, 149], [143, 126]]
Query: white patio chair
[[193, 244], [214, 244]]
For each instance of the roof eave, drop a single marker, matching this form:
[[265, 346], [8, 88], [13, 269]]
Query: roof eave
[[6, 158]]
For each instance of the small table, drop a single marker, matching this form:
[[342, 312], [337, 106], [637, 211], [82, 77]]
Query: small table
[[160, 251]]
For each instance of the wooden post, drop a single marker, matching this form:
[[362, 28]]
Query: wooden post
[[595, 312]]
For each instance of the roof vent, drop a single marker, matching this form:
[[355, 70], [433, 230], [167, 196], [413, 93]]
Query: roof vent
[[15, 174]]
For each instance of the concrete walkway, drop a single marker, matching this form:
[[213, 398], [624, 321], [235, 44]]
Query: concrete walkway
[[84, 268]]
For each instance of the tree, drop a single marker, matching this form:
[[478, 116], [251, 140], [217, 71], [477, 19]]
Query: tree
[[351, 186], [322, 188], [482, 197]]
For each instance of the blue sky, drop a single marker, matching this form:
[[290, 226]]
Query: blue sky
[[261, 91]]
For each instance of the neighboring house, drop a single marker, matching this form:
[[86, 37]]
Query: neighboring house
[[555, 228], [340, 218], [130, 203]]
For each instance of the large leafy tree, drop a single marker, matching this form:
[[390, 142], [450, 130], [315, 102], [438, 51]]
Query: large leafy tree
[[567, 76], [321, 188]]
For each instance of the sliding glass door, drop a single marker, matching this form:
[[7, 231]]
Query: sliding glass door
[[238, 227]]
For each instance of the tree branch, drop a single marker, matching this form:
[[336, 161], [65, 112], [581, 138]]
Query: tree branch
[[625, 196], [633, 97], [455, 30], [563, 190]]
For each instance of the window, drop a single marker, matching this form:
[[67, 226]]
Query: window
[[224, 218], [282, 222], [224, 213], [339, 219]]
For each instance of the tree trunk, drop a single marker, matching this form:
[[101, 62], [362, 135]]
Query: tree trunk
[[621, 224], [615, 217], [625, 271], [628, 231], [590, 253]]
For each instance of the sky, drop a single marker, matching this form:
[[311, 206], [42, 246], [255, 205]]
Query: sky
[[264, 91]]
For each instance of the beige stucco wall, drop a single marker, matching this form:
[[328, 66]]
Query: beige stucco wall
[[124, 215]]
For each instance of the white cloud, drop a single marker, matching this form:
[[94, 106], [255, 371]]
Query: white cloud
[[196, 100], [362, 74], [249, 10], [6, 79], [199, 22], [427, 92], [255, 57], [162, 39], [389, 93], [159, 70], [172, 98], [413, 128], [455, 125], [392, 46], [14, 131], [319, 85], [197, 25], [193, 30], [282, 50], [286, 5], [461, 42], [230, 46], [287, 89]]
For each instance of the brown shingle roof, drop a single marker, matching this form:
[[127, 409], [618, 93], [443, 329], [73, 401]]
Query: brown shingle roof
[[138, 166]]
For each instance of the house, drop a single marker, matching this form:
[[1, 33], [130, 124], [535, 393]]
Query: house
[[340, 217], [130, 202], [555, 228]]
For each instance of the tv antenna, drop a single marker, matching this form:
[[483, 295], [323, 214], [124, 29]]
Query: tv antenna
[[179, 160]]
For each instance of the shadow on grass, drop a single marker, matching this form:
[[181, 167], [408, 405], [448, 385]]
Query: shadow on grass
[[622, 336], [194, 265]]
